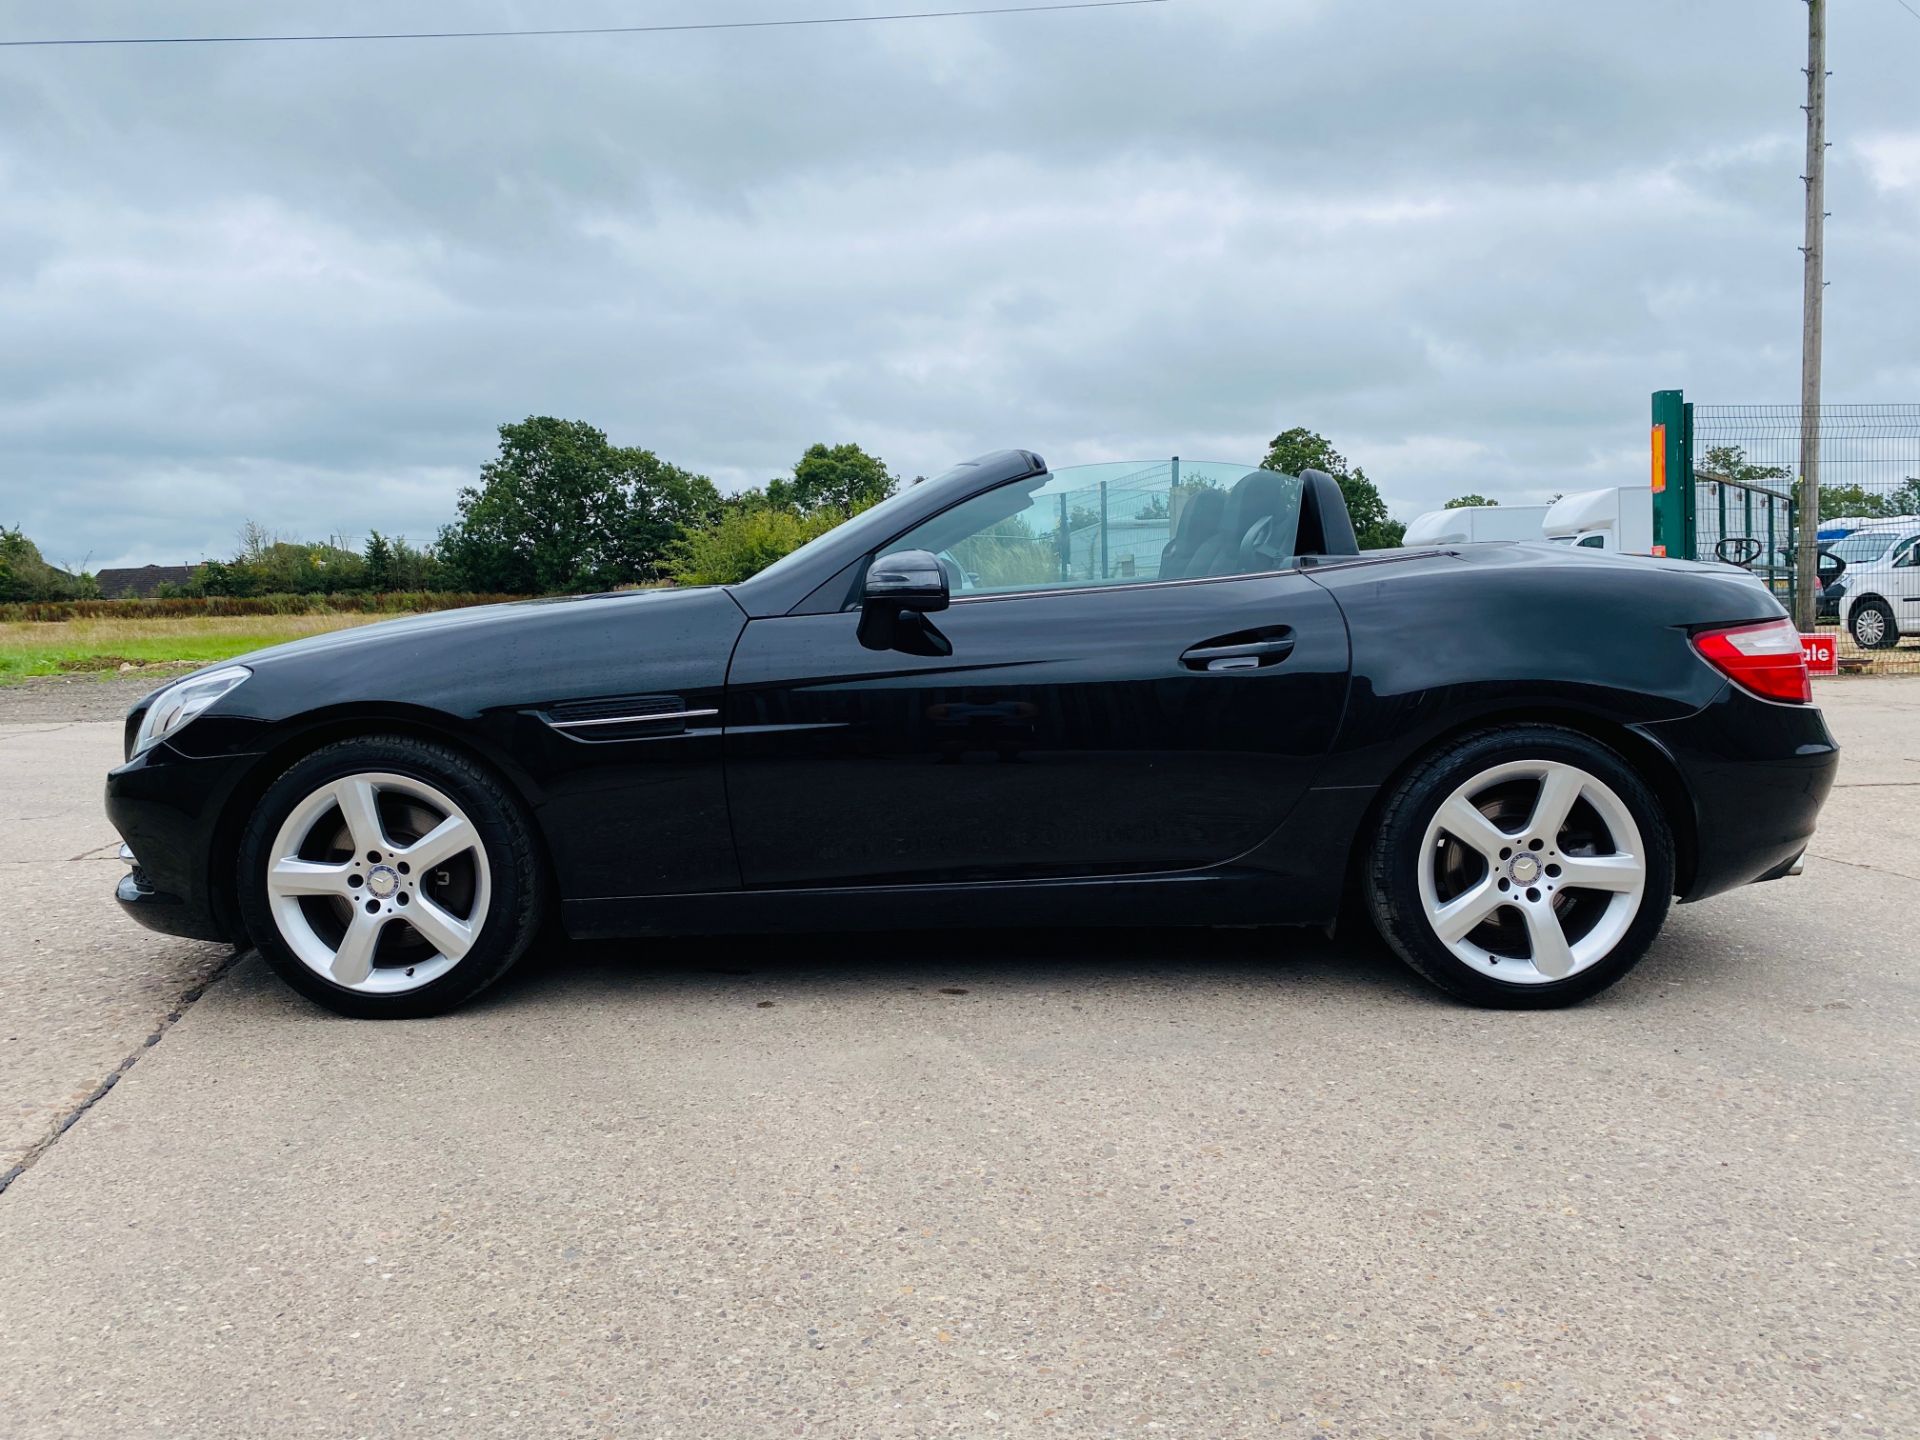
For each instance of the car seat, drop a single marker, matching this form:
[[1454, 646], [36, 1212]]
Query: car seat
[[1200, 518], [1245, 543]]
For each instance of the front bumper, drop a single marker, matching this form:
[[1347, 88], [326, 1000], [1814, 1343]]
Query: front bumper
[[167, 807], [168, 914], [1757, 772]]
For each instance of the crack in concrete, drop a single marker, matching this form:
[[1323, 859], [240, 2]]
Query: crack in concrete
[[72, 1117], [1861, 865], [23, 734]]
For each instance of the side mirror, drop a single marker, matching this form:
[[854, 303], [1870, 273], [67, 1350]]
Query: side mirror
[[908, 580], [901, 590]]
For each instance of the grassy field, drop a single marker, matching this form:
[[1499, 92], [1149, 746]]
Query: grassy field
[[76, 646]]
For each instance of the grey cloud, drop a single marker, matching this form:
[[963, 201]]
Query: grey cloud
[[303, 284]]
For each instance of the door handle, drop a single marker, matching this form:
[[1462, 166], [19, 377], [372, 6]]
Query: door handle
[[1239, 655]]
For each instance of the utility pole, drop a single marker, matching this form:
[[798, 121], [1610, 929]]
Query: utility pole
[[1807, 562]]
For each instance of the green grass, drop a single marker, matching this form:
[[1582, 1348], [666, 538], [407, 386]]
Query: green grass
[[67, 647]]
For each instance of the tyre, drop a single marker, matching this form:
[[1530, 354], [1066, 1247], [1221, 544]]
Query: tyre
[[1873, 625], [1523, 868], [389, 878]]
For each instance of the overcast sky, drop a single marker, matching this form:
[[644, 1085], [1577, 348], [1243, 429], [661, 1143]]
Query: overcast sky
[[303, 283]]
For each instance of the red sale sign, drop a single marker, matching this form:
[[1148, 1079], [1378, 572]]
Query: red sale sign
[[1823, 654]]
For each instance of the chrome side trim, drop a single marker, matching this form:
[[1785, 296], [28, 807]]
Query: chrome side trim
[[632, 719]]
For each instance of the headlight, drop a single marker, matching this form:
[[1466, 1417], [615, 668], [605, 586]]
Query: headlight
[[177, 706]]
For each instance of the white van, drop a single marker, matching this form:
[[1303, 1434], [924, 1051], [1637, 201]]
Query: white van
[[1880, 588], [1477, 522], [1619, 518]]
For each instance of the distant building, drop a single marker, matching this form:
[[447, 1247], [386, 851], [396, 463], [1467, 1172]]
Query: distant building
[[143, 583]]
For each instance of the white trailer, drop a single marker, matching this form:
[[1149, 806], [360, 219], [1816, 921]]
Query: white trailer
[[1617, 518], [1477, 522]]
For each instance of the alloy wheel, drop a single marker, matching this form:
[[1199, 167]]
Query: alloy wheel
[[1532, 871], [1869, 627], [378, 883]]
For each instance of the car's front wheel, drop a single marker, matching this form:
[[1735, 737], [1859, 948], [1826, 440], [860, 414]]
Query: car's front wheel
[[1873, 625], [387, 877], [1524, 867]]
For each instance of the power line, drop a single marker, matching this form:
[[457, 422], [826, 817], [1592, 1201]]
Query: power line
[[583, 30], [1908, 8]]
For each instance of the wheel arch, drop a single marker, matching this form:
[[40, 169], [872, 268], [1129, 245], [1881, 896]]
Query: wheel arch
[[1647, 757], [1866, 597], [296, 739]]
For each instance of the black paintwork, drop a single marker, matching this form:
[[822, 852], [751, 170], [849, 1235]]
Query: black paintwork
[[1058, 756]]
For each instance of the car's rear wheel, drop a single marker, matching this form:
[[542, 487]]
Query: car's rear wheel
[[1873, 625], [389, 878], [1525, 867]]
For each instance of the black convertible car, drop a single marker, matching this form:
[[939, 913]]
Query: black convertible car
[[1110, 695]]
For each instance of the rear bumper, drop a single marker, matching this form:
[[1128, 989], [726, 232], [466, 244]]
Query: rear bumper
[[1758, 773]]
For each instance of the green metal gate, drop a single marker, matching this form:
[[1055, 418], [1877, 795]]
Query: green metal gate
[[1707, 509], [1726, 487]]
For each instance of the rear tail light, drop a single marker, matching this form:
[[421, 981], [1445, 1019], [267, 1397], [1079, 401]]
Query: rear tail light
[[1765, 658]]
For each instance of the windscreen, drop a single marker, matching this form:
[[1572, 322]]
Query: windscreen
[[1863, 548]]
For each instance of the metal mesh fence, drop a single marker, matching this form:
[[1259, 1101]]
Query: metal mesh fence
[[1746, 464]]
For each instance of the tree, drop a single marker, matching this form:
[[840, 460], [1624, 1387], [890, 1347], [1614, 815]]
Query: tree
[[255, 541], [26, 575], [379, 563], [1301, 449], [1470, 502], [844, 478], [664, 504], [216, 577], [743, 542], [413, 568], [562, 509], [1858, 501], [292, 567], [1729, 462]]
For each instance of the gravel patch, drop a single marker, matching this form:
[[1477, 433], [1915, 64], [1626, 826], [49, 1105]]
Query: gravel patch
[[63, 699]]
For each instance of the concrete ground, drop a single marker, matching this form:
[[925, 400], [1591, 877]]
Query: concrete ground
[[1149, 1184]]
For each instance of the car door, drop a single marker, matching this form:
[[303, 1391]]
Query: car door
[[1083, 727], [1903, 583]]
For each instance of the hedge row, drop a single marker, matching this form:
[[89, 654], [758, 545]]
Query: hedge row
[[397, 603]]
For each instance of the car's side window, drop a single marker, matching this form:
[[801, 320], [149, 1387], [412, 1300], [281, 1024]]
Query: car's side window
[[1910, 555], [1115, 525]]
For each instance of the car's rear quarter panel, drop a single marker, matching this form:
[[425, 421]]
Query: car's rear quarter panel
[[1443, 638], [1446, 641]]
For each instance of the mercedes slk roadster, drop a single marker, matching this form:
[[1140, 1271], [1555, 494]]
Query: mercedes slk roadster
[[1107, 695]]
